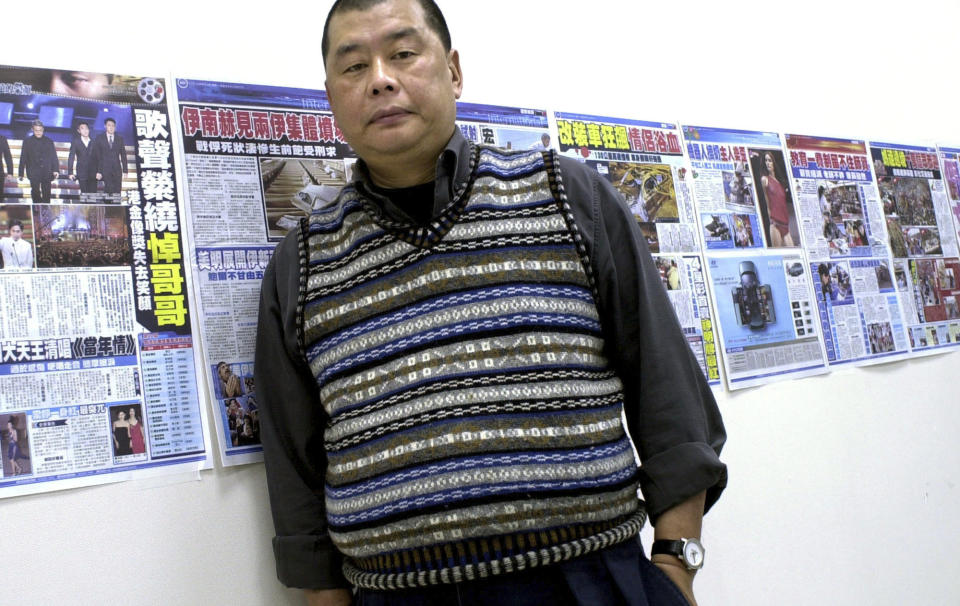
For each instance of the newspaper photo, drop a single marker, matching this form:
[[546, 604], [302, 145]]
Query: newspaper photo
[[767, 317], [741, 188], [644, 162], [923, 240], [845, 238], [98, 373], [256, 160]]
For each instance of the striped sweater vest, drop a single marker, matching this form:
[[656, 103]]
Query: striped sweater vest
[[475, 424]]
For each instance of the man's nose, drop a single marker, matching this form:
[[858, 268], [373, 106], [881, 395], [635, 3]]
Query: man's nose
[[383, 80]]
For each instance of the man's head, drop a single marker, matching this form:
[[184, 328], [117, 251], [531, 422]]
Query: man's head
[[433, 16], [224, 371], [545, 139], [83, 129], [392, 81], [110, 125], [37, 128], [16, 229]]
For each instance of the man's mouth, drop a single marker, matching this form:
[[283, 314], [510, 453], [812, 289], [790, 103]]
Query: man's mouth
[[388, 115]]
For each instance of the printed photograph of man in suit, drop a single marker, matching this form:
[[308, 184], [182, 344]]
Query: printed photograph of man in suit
[[110, 157], [6, 163], [80, 151], [38, 158]]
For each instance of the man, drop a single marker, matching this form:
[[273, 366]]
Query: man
[[543, 143], [109, 157], [6, 163], [740, 193], [230, 384], [17, 252], [441, 361], [673, 276], [80, 149], [38, 158]]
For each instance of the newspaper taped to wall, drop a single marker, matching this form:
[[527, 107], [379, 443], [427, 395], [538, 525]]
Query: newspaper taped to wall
[[923, 240], [766, 315], [845, 238], [644, 162], [741, 188], [257, 160], [97, 375]]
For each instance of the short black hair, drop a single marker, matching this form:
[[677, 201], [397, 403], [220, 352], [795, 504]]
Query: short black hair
[[431, 11], [109, 120], [16, 223], [82, 123]]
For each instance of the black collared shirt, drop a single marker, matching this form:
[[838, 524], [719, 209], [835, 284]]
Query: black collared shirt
[[671, 413]]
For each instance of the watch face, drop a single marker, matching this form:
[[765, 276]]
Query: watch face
[[693, 554]]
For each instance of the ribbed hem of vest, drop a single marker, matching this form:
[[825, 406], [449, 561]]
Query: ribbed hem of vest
[[539, 557]]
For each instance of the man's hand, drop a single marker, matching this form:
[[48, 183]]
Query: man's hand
[[681, 520], [677, 573], [329, 597]]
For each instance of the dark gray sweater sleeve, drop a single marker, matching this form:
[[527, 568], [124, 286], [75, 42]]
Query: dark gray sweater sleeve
[[291, 430], [671, 413]]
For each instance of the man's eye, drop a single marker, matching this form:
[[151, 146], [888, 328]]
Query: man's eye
[[404, 54], [354, 68]]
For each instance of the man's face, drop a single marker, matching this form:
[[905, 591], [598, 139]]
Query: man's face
[[391, 85], [16, 232], [110, 127], [37, 131], [224, 371], [84, 130]]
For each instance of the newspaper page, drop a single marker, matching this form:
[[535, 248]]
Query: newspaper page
[[644, 161], [741, 188], [950, 159], [845, 238], [97, 375], [257, 159], [507, 127], [766, 315], [923, 240]]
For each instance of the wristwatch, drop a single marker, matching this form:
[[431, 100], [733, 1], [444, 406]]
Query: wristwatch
[[690, 551]]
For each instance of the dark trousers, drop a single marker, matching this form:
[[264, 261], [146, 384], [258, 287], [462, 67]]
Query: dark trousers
[[111, 185], [88, 186], [40, 191], [619, 576]]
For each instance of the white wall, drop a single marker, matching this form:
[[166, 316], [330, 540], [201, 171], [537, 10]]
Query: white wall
[[843, 489]]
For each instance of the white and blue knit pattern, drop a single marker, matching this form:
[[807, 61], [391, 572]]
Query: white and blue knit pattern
[[475, 422]]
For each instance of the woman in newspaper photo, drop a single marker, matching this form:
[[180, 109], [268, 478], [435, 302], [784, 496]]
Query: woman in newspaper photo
[[779, 209], [121, 435], [137, 445], [13, 447]]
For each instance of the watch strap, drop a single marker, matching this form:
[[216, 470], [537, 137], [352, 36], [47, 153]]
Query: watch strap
[[667, 546]]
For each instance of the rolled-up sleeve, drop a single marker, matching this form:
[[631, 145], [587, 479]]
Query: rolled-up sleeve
[[291, 428], [671, 412]]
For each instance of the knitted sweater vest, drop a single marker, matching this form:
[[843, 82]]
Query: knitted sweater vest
[[475, 424]]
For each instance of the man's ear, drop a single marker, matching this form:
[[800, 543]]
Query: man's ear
[[453, 62]]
